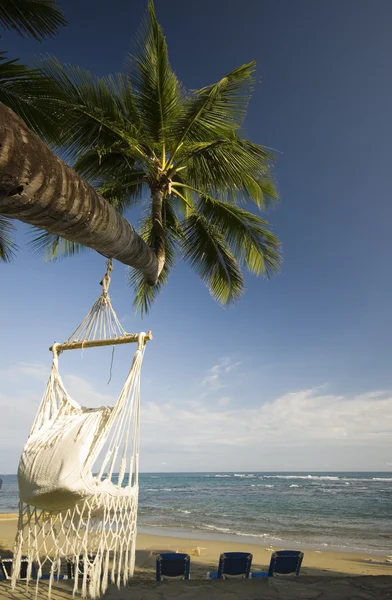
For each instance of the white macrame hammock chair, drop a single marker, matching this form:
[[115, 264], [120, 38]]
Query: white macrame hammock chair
[[66, 513]]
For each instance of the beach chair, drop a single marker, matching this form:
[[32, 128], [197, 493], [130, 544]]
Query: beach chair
[[6, 568], [73, 567], [232, 565], [173, 565], [283, 562]]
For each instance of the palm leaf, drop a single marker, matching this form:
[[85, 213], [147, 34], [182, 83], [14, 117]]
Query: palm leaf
[[127, 102], [246, 234], [115, 175], [107, 161], [216, 110], [145, 294], [183, 198], [158, 94], [89, 111], [204, 246], [53, 247], [7, 246], [270, 194], [230, 167], [123, 194], [20, 87], [36, 18]]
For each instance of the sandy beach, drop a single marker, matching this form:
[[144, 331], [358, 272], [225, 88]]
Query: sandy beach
[[344, 575]]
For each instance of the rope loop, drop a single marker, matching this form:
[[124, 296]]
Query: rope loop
[[106, 278]]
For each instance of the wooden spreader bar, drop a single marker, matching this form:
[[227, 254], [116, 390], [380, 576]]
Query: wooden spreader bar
[[125, 339]]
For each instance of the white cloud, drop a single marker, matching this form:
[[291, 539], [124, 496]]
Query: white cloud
[[22, 387], [308, 423], [84, 393], [224, 400], [26, 371], [17, 418], [230, 367], [215, 378], [307, 429]]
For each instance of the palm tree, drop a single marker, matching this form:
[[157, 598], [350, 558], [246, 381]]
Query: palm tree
[[38, 19], [141, 138], [38, 188]]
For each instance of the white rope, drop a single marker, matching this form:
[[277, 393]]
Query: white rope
[[101, 322], [66, 511]]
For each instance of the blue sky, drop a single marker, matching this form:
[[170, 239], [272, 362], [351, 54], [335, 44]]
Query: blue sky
[[297, 375]]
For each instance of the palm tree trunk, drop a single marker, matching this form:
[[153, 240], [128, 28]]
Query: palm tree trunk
[[38, 188], [158, 233]]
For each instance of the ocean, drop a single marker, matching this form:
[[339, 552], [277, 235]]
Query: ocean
[[335, 511]]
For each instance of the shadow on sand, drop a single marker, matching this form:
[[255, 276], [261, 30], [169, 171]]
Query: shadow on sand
[[312, 584]]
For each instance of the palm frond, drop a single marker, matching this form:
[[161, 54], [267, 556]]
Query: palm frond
[[230, 167], [216, 110], [36, 18], [246, 234], [145, 294], [7, 245], [184, 201], [204, 246], [127, 102], [89, 111], [53, 247], [124, 194], [270, 194], [114, 173], [20, 86], [158, 94], [84, 110], [183, 196], [99, 162]]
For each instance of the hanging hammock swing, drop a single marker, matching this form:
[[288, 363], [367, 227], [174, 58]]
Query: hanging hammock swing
[[68, 514]]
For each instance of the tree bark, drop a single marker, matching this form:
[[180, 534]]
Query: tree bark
[[158, 233], [38, 188]]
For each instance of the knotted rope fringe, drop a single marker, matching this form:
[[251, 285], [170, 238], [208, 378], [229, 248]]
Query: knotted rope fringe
[[89, 520]]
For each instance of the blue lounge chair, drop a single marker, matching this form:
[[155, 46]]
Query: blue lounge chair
[[6, 563], [6, 568], [233, 565], [73, 567], [172, 565], [283, 562]]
